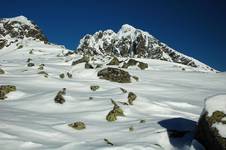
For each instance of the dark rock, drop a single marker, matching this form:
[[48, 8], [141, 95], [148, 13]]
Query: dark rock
[[123, 90], [62, 75], [131, 97], [208, 135], [30, 64], [2, 71], [115, 75], [108, 142], [88, 66], [2, 43], [94, 87], [43, 73], [59, 97], [69, 75]]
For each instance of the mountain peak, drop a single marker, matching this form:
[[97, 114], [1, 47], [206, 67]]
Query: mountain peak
[[18, 28], [132, 42]]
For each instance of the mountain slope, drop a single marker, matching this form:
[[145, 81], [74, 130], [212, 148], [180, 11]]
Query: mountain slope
[[129, 41], [163, 116]]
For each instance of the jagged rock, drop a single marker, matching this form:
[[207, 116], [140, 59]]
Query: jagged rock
[[114, 61], [115, 75], [131, 97], [59, 97], [18, 28], [88, 66], [29, 60], [108, 142], [5, 89], [94, 87], [136, 78], [2, 71], [123, 90], [133, 62], [78, 125], [84, 59], [30, 64], [213, 114], [69, 75]]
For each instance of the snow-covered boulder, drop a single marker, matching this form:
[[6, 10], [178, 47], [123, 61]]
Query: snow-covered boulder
[[211, 130]]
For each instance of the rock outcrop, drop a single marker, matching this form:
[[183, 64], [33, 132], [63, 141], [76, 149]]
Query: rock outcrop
[[212, 124], [132, 42], [18, 28]]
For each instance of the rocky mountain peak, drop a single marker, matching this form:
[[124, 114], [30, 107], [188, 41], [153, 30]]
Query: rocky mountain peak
[[132, 42], [18, 28]]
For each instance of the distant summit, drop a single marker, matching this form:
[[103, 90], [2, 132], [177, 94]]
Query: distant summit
[[18, 28], [132, 42]]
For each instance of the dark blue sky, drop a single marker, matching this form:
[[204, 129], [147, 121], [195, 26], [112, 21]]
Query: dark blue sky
[[194, 27]]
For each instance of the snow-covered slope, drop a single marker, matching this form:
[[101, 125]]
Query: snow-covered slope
[[129, 41], [170, 98]]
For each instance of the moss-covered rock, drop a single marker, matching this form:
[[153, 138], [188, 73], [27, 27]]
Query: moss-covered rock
[[114, 61], [94, 87], [78, 125], [30, 64], [2, 71], [111, 116], [62, 75], [84, 59], [114, 113], [115, 75], [131, 97], [5, 89]]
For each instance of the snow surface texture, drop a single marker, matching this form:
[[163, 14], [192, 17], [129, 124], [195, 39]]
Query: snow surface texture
[[217, 103], [167, 98], [129, 41]]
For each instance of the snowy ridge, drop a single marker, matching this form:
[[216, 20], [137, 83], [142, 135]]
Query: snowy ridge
[[132, 42]]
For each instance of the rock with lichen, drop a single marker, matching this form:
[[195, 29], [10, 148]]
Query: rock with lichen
[[115, 75], [5, 89], [114, 113], [131, 97], [2, 71], [78, 125], [212, 124]]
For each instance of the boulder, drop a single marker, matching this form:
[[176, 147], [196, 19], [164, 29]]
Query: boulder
[[5, 89], [78, 125], [114, 75], [212, 124], [59, 97], [2, 71]]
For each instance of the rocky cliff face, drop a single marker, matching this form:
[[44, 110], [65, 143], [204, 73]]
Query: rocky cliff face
[[18, 28], [132, 42]]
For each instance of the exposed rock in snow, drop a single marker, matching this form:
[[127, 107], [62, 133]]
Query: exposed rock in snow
[[15, 29], [132, 42], [212, 123]]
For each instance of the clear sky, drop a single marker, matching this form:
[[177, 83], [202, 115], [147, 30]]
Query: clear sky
[[194, 27]]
